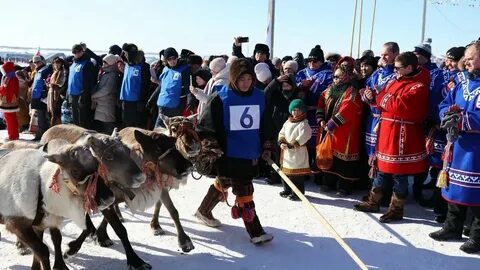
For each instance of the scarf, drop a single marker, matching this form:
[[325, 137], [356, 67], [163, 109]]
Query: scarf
[[297, 119]]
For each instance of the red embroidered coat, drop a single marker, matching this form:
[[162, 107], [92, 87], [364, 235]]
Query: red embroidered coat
[[346, 114], [401, 137], [9, 89]]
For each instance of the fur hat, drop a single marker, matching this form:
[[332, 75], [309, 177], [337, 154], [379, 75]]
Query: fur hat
[[194, 59], [455, 53], [202, 73], [424, 49], [287, 58], [170, 52], [76, 48], [184, 53], [231, 59], [38, 58], [238, 68], [115, 49], [262, 70], [369, 61], [110, 59], [297, 104], [276, 61], [291, 64], [317, 54], [262, 48], [217, 64]]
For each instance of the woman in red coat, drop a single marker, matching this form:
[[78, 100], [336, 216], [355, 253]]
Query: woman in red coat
[[401, 139], [339, 113], [9, 88]]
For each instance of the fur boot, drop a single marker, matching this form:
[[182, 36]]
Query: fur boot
[[372, 204], [395, 211], [204, 212]]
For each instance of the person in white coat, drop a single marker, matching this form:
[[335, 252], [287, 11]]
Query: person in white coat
[[292, 138], [220, 71]]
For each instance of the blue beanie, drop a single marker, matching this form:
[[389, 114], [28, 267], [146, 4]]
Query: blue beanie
[[297, 104]]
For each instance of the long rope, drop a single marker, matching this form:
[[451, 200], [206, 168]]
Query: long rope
[[322, 220]]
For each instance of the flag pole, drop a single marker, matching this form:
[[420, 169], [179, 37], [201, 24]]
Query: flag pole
[[353, 27], [360, 29], [271, 25], [424, 18], [373, 22]]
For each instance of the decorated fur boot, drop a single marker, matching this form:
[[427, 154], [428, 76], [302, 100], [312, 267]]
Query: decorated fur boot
[[395, 211], [372, 204], [204, 212]]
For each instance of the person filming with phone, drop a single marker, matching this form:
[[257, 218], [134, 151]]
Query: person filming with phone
[[261, 54]]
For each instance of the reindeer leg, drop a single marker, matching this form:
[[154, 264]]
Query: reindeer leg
[[134, 262], [119, 213], [27, 235], [75, 245], [57, 245], [103, 239], [157, 230], [22, 248], [184, 241]]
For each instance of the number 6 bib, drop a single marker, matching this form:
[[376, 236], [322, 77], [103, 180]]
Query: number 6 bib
[[244, 117]]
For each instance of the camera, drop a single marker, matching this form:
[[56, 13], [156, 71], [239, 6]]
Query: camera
[[243, 39]]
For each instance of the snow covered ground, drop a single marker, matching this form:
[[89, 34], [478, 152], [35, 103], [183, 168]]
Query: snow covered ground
[[300, 241]]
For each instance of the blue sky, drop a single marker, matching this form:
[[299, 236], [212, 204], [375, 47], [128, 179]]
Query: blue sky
[[208, 26]]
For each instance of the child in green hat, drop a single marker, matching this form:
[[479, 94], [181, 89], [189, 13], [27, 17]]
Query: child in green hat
[[292, 138]]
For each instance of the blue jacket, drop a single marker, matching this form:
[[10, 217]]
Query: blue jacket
[[172, 84], [39, 87], [464, 169]]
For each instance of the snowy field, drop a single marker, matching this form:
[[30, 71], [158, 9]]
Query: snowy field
[[300, 241]]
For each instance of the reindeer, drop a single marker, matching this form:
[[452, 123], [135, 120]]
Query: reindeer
[[39, 191], [164, 158], [119, 170]]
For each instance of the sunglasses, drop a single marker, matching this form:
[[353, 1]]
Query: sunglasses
[[395, 67], [337, 77], [312, 60], [172, 58], [75, 52]]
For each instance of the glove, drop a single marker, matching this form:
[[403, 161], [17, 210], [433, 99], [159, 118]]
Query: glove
[[451, 119], [452, 134], [330, 126]]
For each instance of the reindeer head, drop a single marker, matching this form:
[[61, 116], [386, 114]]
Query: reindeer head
[[183, 129], [161, 150], [81, 167], [114, 156]]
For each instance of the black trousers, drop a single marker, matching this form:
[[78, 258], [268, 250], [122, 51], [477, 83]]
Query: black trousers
[[134, 114], [299, 182], [81, 111], [456, 218]]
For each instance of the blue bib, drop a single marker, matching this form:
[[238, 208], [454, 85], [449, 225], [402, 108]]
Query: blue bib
[[38, 85], [75, 78], [241, 120], [131, 83], [170, 87]]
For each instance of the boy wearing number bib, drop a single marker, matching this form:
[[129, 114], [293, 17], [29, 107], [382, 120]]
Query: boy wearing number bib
[[234, 117]]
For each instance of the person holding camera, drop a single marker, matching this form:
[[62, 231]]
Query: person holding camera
[[261, 54]]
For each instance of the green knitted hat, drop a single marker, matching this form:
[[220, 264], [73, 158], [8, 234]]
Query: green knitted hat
[[297, 103]]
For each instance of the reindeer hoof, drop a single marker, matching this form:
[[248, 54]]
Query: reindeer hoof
[[187, 247], [105, 243], [158, 231], [22, 249], [144, 266]]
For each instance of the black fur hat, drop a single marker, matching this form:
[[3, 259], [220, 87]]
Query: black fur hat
[[317, 54]]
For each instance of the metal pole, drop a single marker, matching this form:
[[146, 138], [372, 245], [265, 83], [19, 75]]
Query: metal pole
[[424, 19], [373, 22], [360, 28], [271, 23], [353, 27]]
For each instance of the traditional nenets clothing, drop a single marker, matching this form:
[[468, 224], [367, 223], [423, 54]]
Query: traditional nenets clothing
[[292, 139], [460, 114]]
